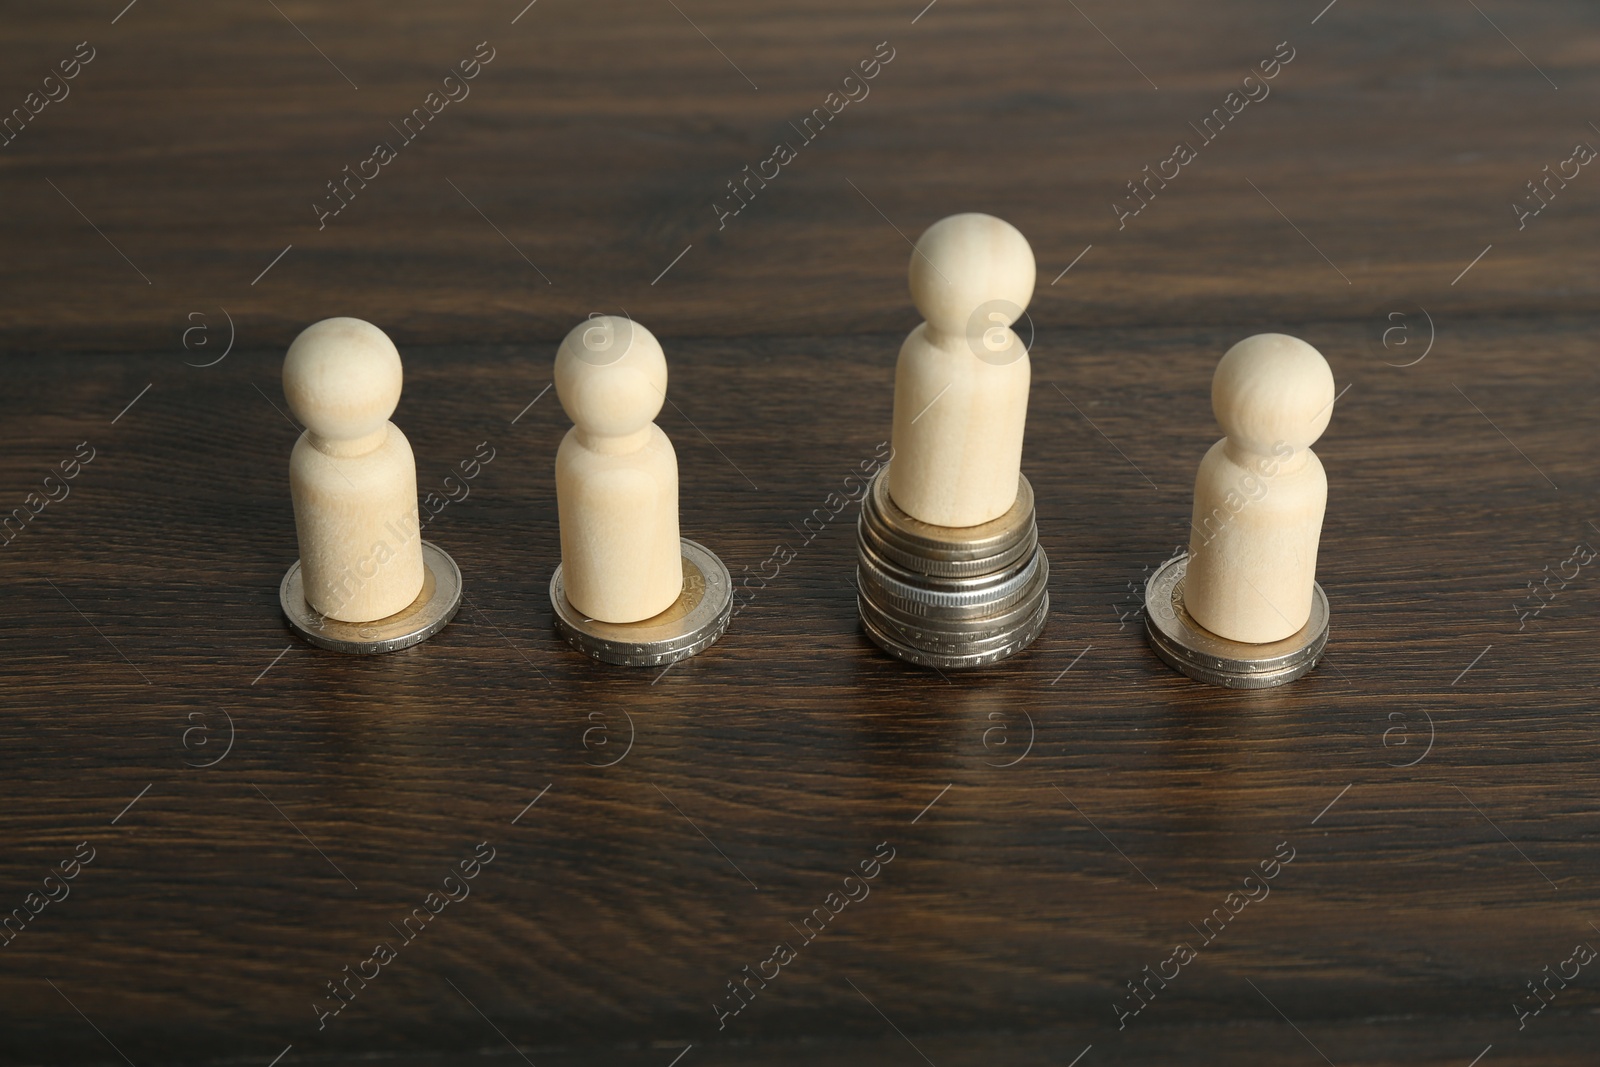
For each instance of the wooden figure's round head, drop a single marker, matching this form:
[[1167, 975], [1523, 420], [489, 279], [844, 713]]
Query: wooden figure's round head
[[971, 271], [611, 376], [1270, 390], [342, 378]]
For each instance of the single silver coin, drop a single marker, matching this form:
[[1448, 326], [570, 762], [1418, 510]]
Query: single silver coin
[[951, 543], [1189, 648], [947, 643], [435, 606], [955, 599], [968, 650], [692, 624], [959, 661], [981, 620], [948, 630]]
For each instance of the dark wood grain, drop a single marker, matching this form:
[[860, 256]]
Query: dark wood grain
[[141, 610]]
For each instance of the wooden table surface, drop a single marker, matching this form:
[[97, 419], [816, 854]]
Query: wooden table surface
[[261, 814]]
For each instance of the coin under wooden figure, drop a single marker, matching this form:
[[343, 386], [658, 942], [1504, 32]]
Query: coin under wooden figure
[[1242, 608], [629, 590], [365, 581], [950, 572]]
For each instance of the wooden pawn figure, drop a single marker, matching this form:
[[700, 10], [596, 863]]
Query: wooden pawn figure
[[616, 474], [1260, 494], [961, 383], [352, 473]]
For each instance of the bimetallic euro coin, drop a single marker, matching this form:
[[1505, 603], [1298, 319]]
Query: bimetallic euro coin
[[692, 624], [1189, 648], [435, 606]]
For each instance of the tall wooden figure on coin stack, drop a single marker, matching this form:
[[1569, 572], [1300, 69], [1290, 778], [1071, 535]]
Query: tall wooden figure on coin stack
[[1243, 608], [951, 574], [365, 580], [629, 590]]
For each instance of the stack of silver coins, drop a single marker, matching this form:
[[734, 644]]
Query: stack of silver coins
[[948, 597]]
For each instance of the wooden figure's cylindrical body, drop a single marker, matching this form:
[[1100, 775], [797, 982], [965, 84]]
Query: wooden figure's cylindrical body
[[1260, 494], [352, 474], [621, 558], [1253, 542], [356, 519], [616, 474], [958, 427], [961, 383]]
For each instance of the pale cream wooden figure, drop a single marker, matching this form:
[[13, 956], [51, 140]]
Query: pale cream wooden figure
[[1260, 493], [961, 383], [352, 474], [616, 474]]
